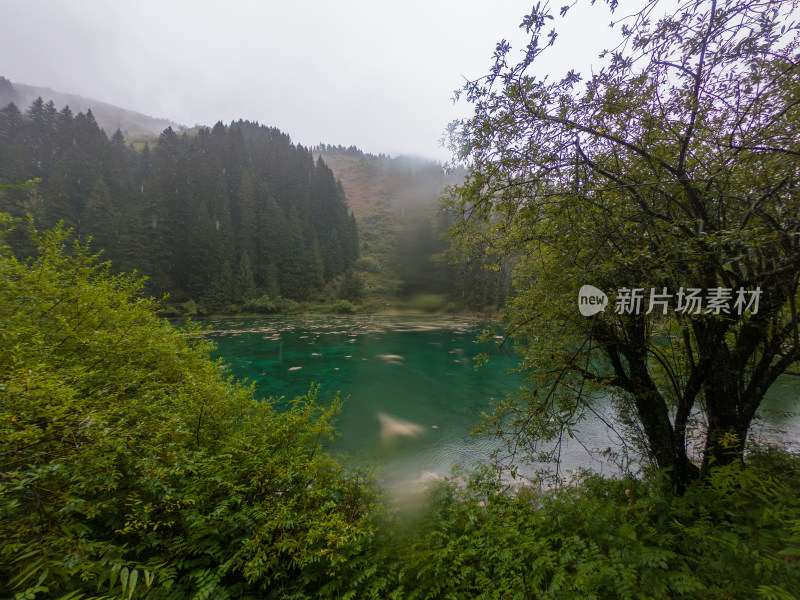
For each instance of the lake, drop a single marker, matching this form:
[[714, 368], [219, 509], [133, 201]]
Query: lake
[[412, 393]]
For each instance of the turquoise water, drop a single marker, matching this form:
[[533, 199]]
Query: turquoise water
[[412, 394]]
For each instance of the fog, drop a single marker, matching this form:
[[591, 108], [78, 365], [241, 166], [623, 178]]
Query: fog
[[377, 75]]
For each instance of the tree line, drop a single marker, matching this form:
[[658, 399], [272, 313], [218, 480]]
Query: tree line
[[217, 215]]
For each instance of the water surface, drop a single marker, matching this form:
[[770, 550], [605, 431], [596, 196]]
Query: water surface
[[412, 393]]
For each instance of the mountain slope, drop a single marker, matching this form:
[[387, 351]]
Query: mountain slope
[[109, 117], [395, 201]]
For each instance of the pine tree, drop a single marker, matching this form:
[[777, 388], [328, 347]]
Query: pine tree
[[101, 219], [244, 285], [210, 217], [7, 92]]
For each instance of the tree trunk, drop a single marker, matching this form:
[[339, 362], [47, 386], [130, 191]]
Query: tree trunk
[[667, 447], [724, 444]]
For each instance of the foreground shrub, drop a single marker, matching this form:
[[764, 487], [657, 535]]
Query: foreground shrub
[[736, 535], [130, 466]]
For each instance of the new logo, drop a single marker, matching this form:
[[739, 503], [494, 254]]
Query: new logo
[[591, 300]]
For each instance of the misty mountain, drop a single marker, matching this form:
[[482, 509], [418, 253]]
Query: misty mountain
[[394, 226], [395, 201], [403, 252], [108, 117], [403, 181]]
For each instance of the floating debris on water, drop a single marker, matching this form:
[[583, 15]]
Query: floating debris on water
[[394, 426], [391, 359], [294, 368]]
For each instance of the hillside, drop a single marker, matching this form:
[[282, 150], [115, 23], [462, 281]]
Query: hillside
[[227, 216], [402, 251], [405, 182], [108, 117]]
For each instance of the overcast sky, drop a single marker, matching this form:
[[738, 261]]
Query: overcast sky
[[379, 75]]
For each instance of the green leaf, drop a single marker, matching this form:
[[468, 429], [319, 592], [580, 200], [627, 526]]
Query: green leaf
[[123, 578], [132, 582]]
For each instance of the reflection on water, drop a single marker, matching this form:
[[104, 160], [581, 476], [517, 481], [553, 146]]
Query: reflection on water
[[778, 418], [412, 392], [392, 427]]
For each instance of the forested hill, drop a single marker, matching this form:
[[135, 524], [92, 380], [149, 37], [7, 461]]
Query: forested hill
[[402, 181], [218, 215], [109, 117], [403, 254]]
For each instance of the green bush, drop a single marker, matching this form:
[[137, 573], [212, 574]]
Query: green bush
[[343, 307], [170, 311], [736, 535], [351, 287], [191, 309], [367, 264], [131, 466], [264, 305], [287, 306]]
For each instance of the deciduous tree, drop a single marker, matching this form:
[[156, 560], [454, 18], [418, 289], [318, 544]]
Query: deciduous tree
[[674, 166]]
